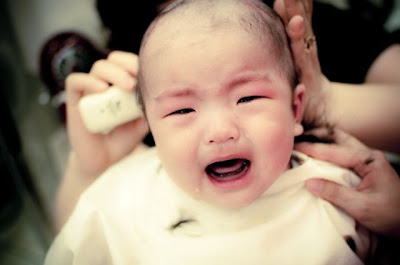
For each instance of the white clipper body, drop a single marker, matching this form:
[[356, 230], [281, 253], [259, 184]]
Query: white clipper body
[[102, 112]]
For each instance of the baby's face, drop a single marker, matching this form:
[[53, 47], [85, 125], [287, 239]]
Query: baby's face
[[221, 114]]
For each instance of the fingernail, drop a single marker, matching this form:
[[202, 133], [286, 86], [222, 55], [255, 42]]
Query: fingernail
[[314, 185]]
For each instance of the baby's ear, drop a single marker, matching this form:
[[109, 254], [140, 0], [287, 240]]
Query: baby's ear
[[298, 107]]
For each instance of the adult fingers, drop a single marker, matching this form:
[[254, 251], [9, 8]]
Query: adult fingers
[[293, 8], [339, 137], [379, 172], [295, 31], [336, 154], [308, 8], [279, 7], [299, 8], [127, 60], [349, 200], [114, 74], [80, 84], [305, 9], [344, 139], [304, 50], [287, 9]]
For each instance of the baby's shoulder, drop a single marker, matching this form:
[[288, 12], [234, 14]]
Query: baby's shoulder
[[135, 164], [138, 161], [132, 173]]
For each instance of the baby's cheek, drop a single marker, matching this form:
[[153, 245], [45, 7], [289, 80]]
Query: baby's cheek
[[276, 145], [274, 134], [178, 154]]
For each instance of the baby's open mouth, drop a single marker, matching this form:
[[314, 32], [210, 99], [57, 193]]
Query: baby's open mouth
[[227, 170]]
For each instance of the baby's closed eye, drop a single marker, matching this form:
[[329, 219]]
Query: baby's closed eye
[[181, 111], [249, 98]]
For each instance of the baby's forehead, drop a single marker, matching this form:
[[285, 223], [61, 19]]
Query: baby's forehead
[[204, 8], [208, 15], [190, 21], [199, 18], [186, 23]]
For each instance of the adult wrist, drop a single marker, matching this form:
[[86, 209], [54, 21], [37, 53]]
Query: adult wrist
[[319, 106]]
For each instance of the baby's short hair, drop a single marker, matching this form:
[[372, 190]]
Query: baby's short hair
[[256, 18]]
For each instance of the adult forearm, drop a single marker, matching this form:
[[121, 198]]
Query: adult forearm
[[371, 112], [70, 189], [73, 184]]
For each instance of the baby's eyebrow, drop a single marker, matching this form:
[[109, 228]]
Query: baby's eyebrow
[[237, 80], [247, 77], [175, 93]]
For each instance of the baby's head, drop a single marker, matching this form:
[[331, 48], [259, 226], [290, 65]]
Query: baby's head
[[218, 87]]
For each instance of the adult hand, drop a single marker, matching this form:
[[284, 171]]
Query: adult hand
[[296, 15], [96, 152], [327, 102], [376, 201], [93, 153]]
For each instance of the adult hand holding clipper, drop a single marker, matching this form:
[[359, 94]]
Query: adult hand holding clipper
[[102, 112], [94, 150]]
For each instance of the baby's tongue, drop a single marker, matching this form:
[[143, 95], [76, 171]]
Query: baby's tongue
[[226, 168]]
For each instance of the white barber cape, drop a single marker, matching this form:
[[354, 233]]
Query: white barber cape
[[134, 214]]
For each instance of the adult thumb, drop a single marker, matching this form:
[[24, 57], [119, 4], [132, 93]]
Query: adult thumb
[[345, 198]]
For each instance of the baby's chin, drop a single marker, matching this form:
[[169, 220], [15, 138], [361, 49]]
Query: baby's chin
[[229, 183], [236, 198]]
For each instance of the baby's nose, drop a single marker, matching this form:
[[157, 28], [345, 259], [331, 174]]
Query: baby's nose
[[222, 129]]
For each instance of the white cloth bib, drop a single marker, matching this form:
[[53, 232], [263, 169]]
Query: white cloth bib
[[134, 214]]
